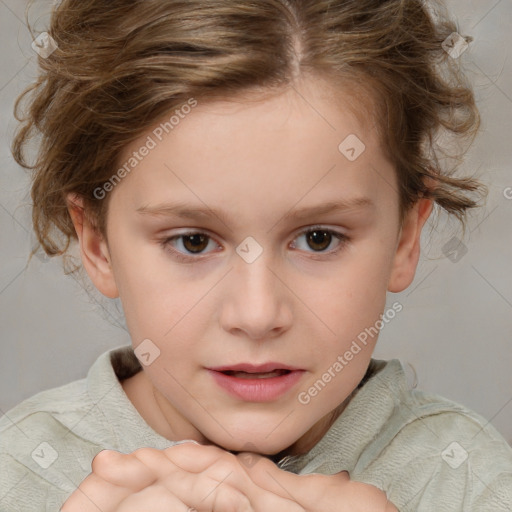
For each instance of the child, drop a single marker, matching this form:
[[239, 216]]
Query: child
[[250, 179]]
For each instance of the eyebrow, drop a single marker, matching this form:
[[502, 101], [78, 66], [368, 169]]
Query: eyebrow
[[184, 210]]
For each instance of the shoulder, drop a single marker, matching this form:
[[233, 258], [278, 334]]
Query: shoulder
[[48, 441], [55, 412], [433, 450], [40, 457]]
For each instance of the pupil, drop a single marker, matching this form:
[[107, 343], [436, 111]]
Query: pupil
[[196, 241], [317, 237]]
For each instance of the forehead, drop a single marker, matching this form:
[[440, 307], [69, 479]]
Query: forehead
[[311, 105], [285, 146]]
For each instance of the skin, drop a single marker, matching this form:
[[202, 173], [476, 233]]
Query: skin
[[196, 478], [298, 304]]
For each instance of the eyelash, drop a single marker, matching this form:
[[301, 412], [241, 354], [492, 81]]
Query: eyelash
[[342, 238]]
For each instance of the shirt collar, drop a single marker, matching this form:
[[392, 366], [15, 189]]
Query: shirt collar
[[367, 413], [129, 429]]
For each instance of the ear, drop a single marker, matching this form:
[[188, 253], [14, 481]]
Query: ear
[[94, 250], [408, 246]]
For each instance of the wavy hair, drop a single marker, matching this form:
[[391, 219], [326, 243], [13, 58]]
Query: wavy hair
[[122, 64]]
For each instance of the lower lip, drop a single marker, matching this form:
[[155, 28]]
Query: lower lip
[[257, 390]]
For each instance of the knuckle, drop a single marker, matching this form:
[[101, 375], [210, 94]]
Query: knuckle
[[229, 459], [103, 459], [224, 466], [115, 468], [228, 499], [150, 498], [144, 452], [150, 457]]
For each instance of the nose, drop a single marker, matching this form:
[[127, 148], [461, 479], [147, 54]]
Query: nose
[[256, 304]]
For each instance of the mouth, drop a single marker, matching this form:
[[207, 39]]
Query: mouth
[[257, 383], [255, 368], [258, 375]]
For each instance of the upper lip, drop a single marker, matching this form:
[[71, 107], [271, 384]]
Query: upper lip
[[252, 368]]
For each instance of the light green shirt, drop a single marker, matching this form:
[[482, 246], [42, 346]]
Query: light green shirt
[[426, 452]]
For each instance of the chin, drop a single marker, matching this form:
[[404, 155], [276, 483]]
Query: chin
[[256, 443]]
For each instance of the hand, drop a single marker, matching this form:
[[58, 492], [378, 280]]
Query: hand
[[190, 477], [315, 492], [183, 478], [149, 479]]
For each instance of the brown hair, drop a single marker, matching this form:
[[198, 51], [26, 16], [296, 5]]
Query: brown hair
[[122, 64]]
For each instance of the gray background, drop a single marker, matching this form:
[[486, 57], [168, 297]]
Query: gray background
[[456, 325]]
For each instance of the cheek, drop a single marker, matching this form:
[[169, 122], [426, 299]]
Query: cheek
[[147, 287], [153, 299], [355, 294]]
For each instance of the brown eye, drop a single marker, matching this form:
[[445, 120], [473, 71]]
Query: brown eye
[[187, 246], [195, 243], [319, 239]]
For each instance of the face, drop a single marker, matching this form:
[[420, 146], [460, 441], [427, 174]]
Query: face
[[225, 247]]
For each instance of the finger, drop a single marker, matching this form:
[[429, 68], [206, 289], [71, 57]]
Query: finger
[[156, 461], [220, 470], [222, 486], [194, 458], [320, 492], [266, 501], [369, 497], [158, 498], [124, 470], [222, 498], [94, 494], [214, 462], [155, 498], [304, 489], [209, 482], [267, 475]]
